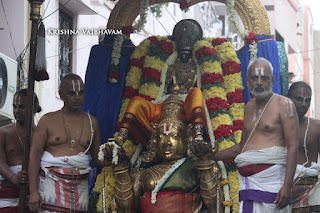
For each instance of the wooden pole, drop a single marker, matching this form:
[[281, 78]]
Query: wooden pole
[[34, 17]]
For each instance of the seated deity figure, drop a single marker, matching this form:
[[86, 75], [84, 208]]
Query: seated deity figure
[[178, 180], [173, 128], [181, 78]]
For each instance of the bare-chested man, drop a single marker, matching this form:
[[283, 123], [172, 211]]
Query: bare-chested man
[[59, 154], [266, 156], [306, 189], [12, 140]]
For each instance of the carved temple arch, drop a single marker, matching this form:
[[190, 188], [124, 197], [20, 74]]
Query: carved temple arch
[[252, 13]]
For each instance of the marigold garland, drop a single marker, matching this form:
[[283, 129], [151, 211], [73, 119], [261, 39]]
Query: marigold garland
[[221, 85], [224, 182], [227, 203]]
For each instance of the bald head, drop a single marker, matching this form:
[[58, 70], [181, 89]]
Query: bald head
[[69, 78]]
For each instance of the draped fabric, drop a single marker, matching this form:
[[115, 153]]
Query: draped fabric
[[102, 98], [267, 48], [64, 190], [258, 191], [283, 67], [140, 113]]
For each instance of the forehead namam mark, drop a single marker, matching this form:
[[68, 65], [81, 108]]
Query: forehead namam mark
[[17, 100], [302, 92], [260, 69]]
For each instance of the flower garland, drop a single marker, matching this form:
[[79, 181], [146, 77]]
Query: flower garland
[[144, 4], [167, 174], [221, 86], [228, 132], [249, 37], [115, 156], [113, 74], [110, 181], [115, 58]]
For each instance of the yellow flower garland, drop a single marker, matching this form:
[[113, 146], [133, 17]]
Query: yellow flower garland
[[226, 52]]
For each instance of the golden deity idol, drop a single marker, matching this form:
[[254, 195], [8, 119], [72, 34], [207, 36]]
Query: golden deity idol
[[175, 179]]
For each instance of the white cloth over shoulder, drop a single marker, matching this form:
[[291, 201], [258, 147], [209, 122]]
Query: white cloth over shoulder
[[80, 160], [258, 192]]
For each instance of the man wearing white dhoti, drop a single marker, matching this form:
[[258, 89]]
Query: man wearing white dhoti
[[60, 146], [12, 140], [266, 155], [306, 188]]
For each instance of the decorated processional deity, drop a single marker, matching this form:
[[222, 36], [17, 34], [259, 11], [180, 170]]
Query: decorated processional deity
[[176, 110]]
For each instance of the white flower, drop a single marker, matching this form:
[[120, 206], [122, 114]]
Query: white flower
[[114, 152], [226, 189], [242, 33], [101, 153], [144, 4]]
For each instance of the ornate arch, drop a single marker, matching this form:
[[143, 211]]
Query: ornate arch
[[252, 13]]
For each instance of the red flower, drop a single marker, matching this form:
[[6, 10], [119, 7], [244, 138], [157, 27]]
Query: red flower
[[183, 4], [118, 126], [210, 78], [129, 92], [127, 30], [251, 38], [218, 41], [231, 67], [147, 97], [204, 51], [237, 125], [214, 104], [235, 97], [137, 62], [114, 75], [223, 131], [153, 39], [228, 161], [151, 73], [166, 47]]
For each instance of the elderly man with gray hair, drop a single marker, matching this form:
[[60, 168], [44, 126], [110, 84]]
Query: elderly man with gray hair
[[267, 154]]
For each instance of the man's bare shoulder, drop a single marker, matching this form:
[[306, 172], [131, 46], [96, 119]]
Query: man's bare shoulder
[[94, 120], [315, 124], [250, 104], [284, 105], [51, 115], [92, 117], [282, 98], [6, 130]]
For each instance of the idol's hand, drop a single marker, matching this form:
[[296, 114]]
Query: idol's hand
[[114, 153], [202, 149]]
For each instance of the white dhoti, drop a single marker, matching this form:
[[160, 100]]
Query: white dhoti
[[9, 197], [259, 190], [306, 190], [64, 188]]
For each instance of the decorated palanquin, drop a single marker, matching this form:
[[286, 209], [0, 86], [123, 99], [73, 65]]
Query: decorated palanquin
[[221, 85], [219, 78]]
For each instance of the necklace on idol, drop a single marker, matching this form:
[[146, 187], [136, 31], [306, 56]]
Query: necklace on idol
[[68, 134], [15, 126]]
